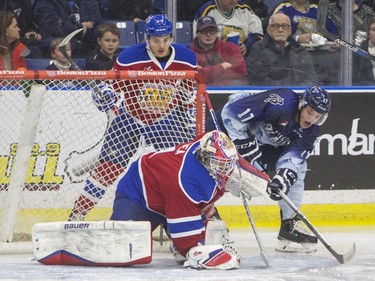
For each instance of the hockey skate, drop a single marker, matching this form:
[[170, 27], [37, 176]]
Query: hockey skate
[[293, 238]]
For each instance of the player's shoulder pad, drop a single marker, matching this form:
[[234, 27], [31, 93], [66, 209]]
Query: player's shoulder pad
[[184, 54], [281, 96], [195, 180], [205, 9], [133, 54]]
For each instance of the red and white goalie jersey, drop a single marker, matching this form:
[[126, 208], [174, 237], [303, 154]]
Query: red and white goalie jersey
[[172, 187]]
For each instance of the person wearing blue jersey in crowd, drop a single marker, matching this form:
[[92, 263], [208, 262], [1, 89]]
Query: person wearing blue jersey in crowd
[[303, 18], [278, 129], [147, 113]]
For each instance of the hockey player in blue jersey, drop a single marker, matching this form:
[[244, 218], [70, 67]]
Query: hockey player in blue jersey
[[147, 113], [278, 129]]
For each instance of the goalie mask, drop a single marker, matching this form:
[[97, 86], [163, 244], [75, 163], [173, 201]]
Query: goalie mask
[[318, 99], [217, 153]]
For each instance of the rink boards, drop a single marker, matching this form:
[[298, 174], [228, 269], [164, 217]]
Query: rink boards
[[339, 183]]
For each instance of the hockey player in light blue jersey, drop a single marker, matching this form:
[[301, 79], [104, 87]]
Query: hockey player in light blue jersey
[[278, 129]]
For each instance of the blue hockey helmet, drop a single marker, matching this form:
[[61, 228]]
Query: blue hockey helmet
[[158, 25], [318, 99]]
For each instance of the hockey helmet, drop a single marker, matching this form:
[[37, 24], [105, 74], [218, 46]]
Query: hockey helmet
[[217, 153], [158, 25], [318, 99]]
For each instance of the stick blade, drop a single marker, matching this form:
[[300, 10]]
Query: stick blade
[[265, 259], [347, 256]]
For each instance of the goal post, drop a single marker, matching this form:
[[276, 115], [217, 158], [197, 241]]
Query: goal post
[[53, 136]]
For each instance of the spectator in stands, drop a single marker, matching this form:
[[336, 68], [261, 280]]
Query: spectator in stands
[[186, 9], [258, 7], [105, 55], [131, 10], [303, 18], [60, 62], [29, 34], [221, 63], [363, 68], [362, 16], [278, 60], [12, 51], [232, 16], [56, 18]]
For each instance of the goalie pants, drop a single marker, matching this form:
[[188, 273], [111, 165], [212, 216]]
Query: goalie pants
[[124, 209]]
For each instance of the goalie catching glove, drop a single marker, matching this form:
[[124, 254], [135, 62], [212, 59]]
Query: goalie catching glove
[[213, 257], [248, 148], [282, 181], [104, 96]]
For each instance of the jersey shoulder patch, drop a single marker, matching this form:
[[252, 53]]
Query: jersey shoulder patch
[[133, 54]]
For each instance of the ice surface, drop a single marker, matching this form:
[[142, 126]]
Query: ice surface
[[320, 266]]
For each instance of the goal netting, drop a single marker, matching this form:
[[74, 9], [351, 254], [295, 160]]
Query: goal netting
[[59, 142]]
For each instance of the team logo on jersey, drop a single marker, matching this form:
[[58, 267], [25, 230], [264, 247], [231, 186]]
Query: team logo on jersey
[[156, 98], [275, 99]]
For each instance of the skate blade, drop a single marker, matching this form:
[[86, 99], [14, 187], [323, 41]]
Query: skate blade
[[285, 246]]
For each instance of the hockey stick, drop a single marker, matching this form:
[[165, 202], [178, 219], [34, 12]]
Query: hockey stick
[[80, 171], [63, 45], [257, 237], [262, 252], [341, 258], [322, 29]]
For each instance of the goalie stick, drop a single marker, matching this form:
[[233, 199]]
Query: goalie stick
[[322, 29], [249, 168], [257, 237]]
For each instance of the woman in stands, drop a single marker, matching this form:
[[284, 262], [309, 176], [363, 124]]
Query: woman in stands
[[12, 51]]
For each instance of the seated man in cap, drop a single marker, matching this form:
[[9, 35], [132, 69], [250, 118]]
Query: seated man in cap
[[220, 63]]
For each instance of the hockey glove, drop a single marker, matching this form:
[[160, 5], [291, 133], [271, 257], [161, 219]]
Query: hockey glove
[[248, 148], [104, 96], [282, 181], [213, 257]]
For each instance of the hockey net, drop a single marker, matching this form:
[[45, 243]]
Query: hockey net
[[52, 136]]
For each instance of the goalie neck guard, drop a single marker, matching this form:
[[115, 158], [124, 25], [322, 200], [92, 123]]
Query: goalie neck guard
[[217, 153]]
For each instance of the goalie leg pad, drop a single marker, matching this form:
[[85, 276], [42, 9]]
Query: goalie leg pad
[[213, 257], [103, 243]]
